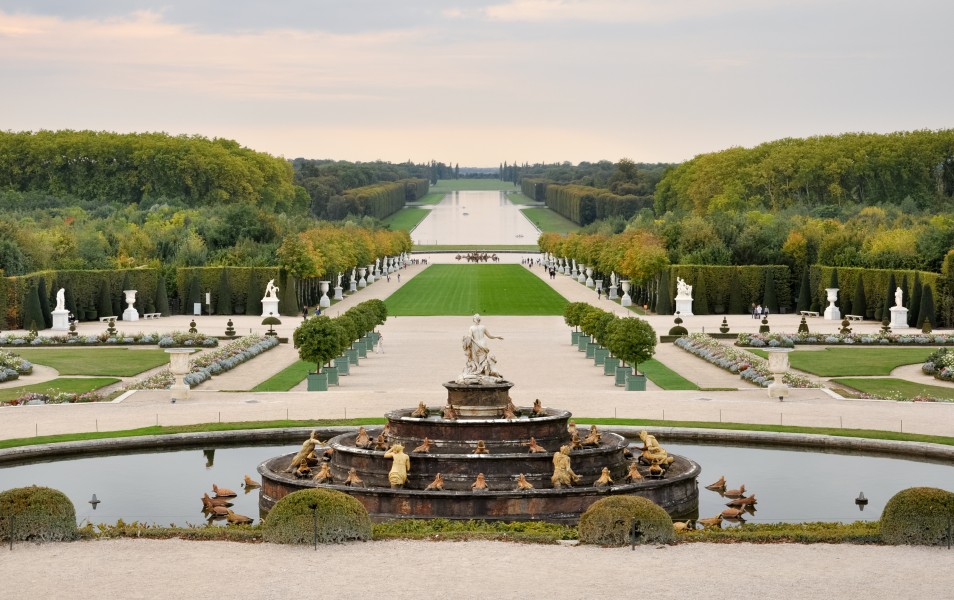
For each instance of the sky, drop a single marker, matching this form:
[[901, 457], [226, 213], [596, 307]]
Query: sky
[[478, 82]]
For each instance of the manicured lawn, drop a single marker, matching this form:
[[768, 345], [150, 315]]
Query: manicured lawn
[[117, 362], [895, 389], [449, 185], [547, 220], [287, 378], [520, 199], [848, 361], [432, 198], [665, 377], [469, 289], [72, 385], [406, 219], [476, 247]]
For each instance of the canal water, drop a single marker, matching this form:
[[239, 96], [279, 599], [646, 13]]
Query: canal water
[[791, 486], [475, 218]]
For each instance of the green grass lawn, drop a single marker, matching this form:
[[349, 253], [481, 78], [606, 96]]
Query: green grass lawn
[[547, 220], [287, 378], [476, 247], [469, 289], [431, 198], [72, 385], [665, 377], [889, 388], [116, 362], [479, 185], [520, 199], [406, 219], [853, 361]]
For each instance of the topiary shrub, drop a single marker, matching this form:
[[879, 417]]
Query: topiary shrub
[[609, 521], [678, 329], [341, 518], [918, 516], [39, 514]]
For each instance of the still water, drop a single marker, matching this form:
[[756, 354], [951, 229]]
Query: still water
[[790, 485], [475, 218]]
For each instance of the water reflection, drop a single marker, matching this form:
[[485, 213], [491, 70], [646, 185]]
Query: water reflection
[[791, 485], [472, 217]]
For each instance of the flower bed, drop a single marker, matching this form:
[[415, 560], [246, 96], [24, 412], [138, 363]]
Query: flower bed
[[12, 366], [748, 367], [940, 364], [54, 398], [172, 340], [789, 340]]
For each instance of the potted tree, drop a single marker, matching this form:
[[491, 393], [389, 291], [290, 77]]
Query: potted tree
[[319, 340], [633, 341], [572, 315], [595, 322], [344, 360]]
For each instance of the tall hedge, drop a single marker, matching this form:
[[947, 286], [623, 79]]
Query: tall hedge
[[722, 281], [44, 295], [584, 204], [162, 296], [859, 304], [879, 286], [378, 200], [223, 304], [32, 313], [914, 304]]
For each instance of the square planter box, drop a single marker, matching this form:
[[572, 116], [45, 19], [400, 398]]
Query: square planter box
[[343, 364], [609, 365], [621, 374], [317, 382], [332, 373], [582, 342], [635, 383], [574, 337], [591, 349], [599, 356]]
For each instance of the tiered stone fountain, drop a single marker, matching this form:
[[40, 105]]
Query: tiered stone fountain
[[479, 410]]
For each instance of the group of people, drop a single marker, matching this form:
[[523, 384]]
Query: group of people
[[478, 257], [759, 311]]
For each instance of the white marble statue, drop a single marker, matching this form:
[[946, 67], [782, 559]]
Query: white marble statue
[[481, 364], [683, 288], [61, 299], [271, 290], [354, 274], [898, 296], [340, 274]]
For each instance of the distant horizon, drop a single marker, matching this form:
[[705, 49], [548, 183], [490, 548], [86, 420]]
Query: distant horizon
[[471, 83]]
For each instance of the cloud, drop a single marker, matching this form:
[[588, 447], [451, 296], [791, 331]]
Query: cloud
[[625, 11]]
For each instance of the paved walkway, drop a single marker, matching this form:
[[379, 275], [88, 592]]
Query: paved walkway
[[421, 352]]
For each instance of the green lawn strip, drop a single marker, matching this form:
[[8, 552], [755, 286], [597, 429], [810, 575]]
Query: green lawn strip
[[406, 219], [549, 221], [665, 377], [117, 362], [852, 361], [476, 248], [431, 198], [287, 378], [895, 389], [468, 289], [69, 385], [520, 199], [471, 185]]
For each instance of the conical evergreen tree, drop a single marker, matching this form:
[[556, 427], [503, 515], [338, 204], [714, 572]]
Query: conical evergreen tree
[[770, 298], [889, 297], [32, 312], [195, 295], [224, 304], [162, 296], [70, 301], [287, 294], [914, 306], [700, 296], [735, 295], [859, 305], [833, 283], [104, 305], [663, 298], [804, 293], [253, 296], [905, 298], [119, 300], [44, 297], [926, 312]]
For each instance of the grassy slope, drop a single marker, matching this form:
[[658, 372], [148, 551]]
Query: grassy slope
[[449, 185], [547, 220], [406, 219], [118, 362], [468, 289]]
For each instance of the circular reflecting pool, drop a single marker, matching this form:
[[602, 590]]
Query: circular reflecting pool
[[790, 485]]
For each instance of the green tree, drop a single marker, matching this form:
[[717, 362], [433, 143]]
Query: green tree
[[914, 306], [195, 295], [104, 305], [736, 307], [926, 312], [44, 296], [770, 298], [224, 304], [319, 340], [253, 295], [859, 304], [889, 297], [663, 297], [162, 296], [32, 312], [632, 340], [700, 295], [804, 293]]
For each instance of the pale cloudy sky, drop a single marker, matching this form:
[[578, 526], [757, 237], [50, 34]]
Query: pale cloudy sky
[[478, 82]]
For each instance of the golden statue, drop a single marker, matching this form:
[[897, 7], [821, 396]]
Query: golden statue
[[534, 446], [362, 440], [604, 478], [307, 449], [575, 443], [509, 412], [522, 483], [227, 493], [633, 474], [651, 450], [421, 412], [655, 470], [511, 407], [538, 410], [381, 442], [324, 474], [237, 519], [353, 479], [717, 485], [571, 428], [208, 502], [250, 483], [480, 484], [715, 521], [303, 470], [593, 437], [449, 413], [425, 446], [562, 473], [437, 484], [481, 448], [399, 467], [682, 526]]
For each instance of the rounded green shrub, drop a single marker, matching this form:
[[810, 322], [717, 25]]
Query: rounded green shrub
[[38, 514], [919, 516], [341, 518], [609, 522]]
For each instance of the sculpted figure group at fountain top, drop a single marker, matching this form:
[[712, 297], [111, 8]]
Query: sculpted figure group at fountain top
[[481, 366]]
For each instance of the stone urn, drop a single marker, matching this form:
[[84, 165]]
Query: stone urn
[[179, 367], [778, 366], [589, 277], [625, 300], [831, 311], [581, 274], [130, 314], [324, 301], [370, 274], [362, 282]]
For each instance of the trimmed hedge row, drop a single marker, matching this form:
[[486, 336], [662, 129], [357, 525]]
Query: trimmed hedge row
[[583, 204], [378, 200], [875, 283]]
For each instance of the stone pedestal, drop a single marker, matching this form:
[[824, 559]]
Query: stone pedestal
[[339, 293], [269, 307], [179, 367], [61, 320], [612, 293], [476, 401], [899, 318], [684, 306]]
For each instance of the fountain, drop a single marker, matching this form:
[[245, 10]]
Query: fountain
[[480, 457]]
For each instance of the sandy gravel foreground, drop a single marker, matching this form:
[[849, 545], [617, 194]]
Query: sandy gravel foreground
[[453, 570]]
